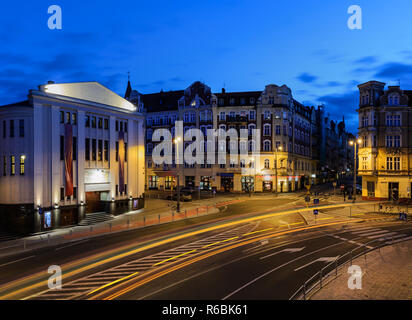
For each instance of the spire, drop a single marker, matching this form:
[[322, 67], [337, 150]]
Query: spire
[[129, 87]]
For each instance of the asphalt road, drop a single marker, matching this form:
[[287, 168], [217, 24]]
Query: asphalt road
[[268, 258]]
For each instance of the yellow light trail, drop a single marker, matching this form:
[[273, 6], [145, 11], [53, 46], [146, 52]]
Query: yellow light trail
[[112, 283], [100, 260], [196, 259]]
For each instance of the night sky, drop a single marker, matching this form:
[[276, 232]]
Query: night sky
[[242, 45]]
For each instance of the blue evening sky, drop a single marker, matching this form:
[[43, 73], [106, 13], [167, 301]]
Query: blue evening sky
[[242, 45]]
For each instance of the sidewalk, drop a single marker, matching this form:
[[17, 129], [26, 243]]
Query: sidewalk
[[387, 275]]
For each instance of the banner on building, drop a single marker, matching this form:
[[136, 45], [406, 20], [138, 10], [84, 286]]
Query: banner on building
[[68, 159], [121, 162]]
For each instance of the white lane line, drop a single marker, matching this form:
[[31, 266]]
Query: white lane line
[[323, 259], [277, 268], [290, 250], [394, 237], [11, 262], [383, 235], [399, 240], [371, 233], [365, 231]]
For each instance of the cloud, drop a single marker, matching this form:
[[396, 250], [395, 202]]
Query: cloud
[[393, 70], [367, 59], [306, 77]]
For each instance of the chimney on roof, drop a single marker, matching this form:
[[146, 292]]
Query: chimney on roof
[[50, 82], [223, 90]]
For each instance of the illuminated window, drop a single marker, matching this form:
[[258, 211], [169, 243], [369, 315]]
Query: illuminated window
[[22, 158], [13, 165]]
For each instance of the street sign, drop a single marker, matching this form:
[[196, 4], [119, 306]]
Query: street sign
[[315, 212], [315, 201]]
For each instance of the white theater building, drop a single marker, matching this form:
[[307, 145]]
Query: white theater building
[[70, 149]]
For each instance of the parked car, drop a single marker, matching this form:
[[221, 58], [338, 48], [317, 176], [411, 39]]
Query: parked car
[[183, 197]]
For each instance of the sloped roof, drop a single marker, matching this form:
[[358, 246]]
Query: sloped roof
[[162, 101], [25, 103]]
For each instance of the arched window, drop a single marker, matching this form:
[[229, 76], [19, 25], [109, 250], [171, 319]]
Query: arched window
[[251, 127], [266, 145], [242, 145], [266, 130], [267, 164], [251, 145]]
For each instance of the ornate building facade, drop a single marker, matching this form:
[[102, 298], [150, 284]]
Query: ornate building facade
[[286, 163], [385, 153]]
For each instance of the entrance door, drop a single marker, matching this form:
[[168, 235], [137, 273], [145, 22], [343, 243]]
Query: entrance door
[[267, 185], [93, 203], [227, 183], [393, 191]]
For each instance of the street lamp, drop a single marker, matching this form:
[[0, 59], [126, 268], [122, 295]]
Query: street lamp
[[176, 141], [276, 166], [354, 143]]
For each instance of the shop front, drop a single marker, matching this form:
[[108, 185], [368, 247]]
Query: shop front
[[226, 182], [206, 183]]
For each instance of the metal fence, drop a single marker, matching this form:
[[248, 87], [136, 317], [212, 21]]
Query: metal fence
[[330, 271]]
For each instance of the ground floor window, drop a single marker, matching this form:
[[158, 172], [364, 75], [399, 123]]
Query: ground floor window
[[370, 185], [205, 183], [248, 184], [190, 181], [153, 182], [168, 182], [226, 183], [267, 185]]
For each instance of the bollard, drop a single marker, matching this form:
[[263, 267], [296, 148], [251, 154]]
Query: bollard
[[110, 225], [144, 221], [48, 238], [128, 223], [173, 216], [71, 232], [159, 218], [91, 229]]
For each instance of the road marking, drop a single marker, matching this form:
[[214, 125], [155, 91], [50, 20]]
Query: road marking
[[180, 255], [285, 223], [111, 283], [290, 250], [11, 262], [325, 218], [383, 235], [247, 234], [394, 237], [366, 231], [323, 259], [209, 245], [371, 233]]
